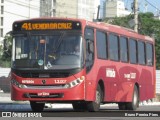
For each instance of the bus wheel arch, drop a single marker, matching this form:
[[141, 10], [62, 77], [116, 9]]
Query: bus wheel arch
[[94, 106], [101, 84], [135, 99], [138, 88]]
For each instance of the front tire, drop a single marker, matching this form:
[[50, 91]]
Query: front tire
[[37, 107], [94, 106]]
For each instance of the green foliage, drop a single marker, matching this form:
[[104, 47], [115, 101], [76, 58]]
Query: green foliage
[[5, 56], [147, 26], [121, 21]]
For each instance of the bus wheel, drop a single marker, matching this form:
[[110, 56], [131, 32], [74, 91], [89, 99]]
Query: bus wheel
[[95, 105], [135, 100], [79, 106], [37, 107]]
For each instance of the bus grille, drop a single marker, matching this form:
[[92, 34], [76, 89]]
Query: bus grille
[[43, 75]]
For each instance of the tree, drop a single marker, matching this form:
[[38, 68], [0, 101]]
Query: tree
[[147, 26], [5, 58]]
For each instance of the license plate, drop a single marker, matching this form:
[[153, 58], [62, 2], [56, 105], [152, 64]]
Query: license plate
[[43, 94]]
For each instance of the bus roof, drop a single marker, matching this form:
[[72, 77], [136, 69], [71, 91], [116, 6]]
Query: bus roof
[[122, 31], [99, 25]]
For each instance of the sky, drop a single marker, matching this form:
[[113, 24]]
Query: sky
[[144, 5]]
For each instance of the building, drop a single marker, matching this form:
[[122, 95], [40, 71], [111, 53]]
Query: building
[[12, 10], [86, 9], [47, 8], [115, 8]]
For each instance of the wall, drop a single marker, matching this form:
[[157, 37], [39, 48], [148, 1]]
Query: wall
[[158, 81]]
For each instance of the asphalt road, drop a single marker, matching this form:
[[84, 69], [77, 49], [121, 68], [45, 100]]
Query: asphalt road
[[16, 106], [106, 112], [66, 112]]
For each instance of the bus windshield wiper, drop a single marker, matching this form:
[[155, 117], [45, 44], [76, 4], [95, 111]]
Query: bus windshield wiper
[[58, 45], [59, 41]]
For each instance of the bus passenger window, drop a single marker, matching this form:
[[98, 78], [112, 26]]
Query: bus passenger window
[[113, 47], [141, 53], [101, 40], [133, 51], [123, 49], [149, 54]]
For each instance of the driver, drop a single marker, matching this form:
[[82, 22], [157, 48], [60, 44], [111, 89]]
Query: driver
[[76, 50]]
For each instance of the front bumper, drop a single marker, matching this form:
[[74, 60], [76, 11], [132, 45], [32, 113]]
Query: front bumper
[[68, 94]]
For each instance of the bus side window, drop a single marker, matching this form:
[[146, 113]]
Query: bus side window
[[133, 51], [89, 37], [149, 54], [123, 49], [141, 53], [113, 47], [101, 43]]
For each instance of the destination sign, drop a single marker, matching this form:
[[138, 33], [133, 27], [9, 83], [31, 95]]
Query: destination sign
[[47, 26], [34, 26]]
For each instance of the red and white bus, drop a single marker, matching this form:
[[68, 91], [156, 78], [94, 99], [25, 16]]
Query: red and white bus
[[57, 60]]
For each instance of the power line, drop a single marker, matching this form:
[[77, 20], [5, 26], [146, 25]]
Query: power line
[[152, 5], [24, 5], [16, 14]]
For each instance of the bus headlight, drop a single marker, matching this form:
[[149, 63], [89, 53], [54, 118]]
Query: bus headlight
[[75, 82], [14, 82]]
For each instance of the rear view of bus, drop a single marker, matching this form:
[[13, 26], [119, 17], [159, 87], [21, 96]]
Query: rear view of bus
[[47, 62]]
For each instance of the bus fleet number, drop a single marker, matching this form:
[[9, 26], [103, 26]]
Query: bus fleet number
[[60, 81]]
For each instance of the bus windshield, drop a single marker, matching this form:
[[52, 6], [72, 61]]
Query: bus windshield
[[61, 50]]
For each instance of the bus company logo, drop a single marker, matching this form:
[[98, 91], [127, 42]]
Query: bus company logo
[[110, 73], [43, 82], [130, 76]]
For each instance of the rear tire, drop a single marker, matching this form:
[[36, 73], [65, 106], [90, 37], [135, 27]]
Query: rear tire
[[94, 106], [131, 105], [37, 107], [135, 100], [122, 106]]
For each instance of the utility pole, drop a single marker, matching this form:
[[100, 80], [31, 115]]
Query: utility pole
[[29, 8], [98, 12], [136, 15]]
